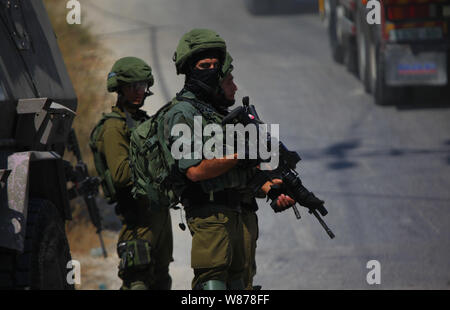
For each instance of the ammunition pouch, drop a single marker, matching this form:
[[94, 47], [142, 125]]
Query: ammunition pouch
[[135, 255]]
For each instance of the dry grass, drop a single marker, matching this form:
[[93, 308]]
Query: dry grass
[[87, 63], [82, 237], [97, 272]]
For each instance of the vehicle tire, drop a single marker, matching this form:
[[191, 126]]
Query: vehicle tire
[[363, 51], [335, 34], [7, 262], [42, 265], [371, 65], [383, 94], [326, 14], [351, 55]]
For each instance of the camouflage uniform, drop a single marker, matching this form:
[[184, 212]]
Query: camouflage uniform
[[145, 241], [212, 206]]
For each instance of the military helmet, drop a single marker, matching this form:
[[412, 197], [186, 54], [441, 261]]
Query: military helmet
[[129, 70], [195, 41], [227, 65]]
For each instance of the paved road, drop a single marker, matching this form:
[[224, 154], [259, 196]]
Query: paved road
[[384, 172]]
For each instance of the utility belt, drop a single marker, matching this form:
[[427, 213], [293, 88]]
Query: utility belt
[[197, 203]]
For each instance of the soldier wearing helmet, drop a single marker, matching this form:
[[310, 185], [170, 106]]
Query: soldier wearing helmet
[[210, 193], [145, 241]]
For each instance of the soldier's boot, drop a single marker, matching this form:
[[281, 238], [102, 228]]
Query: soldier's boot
[[162, 283], [138, 286], [237, 284], [212, 285]]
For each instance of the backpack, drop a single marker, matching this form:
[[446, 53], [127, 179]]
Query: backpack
[[153, 169], [99, 159]]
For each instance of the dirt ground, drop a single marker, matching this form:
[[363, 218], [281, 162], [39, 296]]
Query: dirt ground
[[99, 273]]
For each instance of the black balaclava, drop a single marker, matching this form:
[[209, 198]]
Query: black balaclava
[[204, 83]]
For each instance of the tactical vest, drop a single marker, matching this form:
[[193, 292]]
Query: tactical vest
[[100, 164], [151, 162], [155, 172], [153, 169]]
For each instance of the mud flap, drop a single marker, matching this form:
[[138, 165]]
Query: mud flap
[[20, 184]]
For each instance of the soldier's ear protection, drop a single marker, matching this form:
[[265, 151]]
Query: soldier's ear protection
[[148, 92]]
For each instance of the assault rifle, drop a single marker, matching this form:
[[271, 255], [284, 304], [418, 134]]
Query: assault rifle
[[85, 186], [288, 160]]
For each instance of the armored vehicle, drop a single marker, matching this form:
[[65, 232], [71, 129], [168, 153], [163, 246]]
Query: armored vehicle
[[37, 107]]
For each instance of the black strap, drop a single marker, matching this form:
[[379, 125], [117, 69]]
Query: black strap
[[202, 107], [194, 197]]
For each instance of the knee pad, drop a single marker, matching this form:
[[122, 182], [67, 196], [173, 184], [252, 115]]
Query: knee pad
[[138, 286], [211, 285]]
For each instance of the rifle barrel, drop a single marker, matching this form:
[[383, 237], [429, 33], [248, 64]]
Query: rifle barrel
[[102, 244], [324, 225], [297, 213]]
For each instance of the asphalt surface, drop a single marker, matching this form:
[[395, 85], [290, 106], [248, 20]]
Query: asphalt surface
[[384, 172]]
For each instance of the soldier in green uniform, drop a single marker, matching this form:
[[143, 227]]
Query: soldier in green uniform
[[145, 242], [211, 187]]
